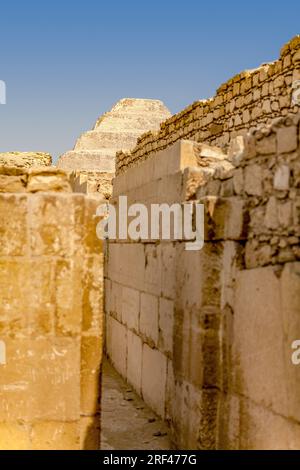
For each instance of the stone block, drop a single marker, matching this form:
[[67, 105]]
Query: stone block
[[225, 218], [126, 264], [14, 436], [266, 145], [253, 180], [198, 277], [290, 301], [238, 181], [287, 139], [259, 364], [48, 180], [116, 345], [27, 299], [91, 358], [68, 299], [154, 376], [271, 215], [261, 429], [107, 296], [92, 294], [282, 178], [13, 225], [12, 184], [93, 244], [152, 274], [55, 435], [52, 225], [116, 300], [134, 361], [130, 308], [167, 253], [149, 318], [37, 368], [166, 324]]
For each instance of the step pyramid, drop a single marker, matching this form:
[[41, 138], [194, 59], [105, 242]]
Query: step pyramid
[[115, 130]]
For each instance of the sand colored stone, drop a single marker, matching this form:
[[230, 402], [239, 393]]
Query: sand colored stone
[[51, 270], [25, 159], [250, 98], [205, 336]]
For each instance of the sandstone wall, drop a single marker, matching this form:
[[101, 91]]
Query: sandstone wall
[[33, 180], [51, 266], [205, 336], [250, 98], [25, 159]]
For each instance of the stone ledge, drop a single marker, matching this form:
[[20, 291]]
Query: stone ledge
[[32, 180]]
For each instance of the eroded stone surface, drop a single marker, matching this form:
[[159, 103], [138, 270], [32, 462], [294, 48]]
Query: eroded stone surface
[[51, 290], [25, 159], [205, 336]]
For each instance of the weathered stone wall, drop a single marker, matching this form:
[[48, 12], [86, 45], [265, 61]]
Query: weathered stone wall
[[205, 336], [250, 98], [25, 159], [33, 180], [91, 182], [51, 267]]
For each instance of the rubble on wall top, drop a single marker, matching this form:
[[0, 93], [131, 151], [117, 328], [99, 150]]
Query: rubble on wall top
[[25, 159], [293, 44], [247, 100]]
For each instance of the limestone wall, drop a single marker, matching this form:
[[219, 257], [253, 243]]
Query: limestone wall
[[25, 159], [250, 98], [205, 336], [51, 266], [91, 182], [33, 180]]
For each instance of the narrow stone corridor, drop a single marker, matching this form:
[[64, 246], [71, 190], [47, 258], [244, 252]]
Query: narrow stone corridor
[[127, 423]]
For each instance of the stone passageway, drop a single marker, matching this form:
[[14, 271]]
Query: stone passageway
[[127, 423]]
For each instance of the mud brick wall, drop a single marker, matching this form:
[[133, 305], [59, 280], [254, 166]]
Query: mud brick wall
[[250, 98], [51, 266], [205, 336]]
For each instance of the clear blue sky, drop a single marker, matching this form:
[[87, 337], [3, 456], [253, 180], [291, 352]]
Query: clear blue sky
[[66, 62]]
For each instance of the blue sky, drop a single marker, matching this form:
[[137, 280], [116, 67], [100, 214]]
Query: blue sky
[[65, 63]]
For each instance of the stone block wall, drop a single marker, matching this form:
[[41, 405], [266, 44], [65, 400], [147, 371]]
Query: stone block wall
[[51, 267], [250, 98], [205, 336]]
